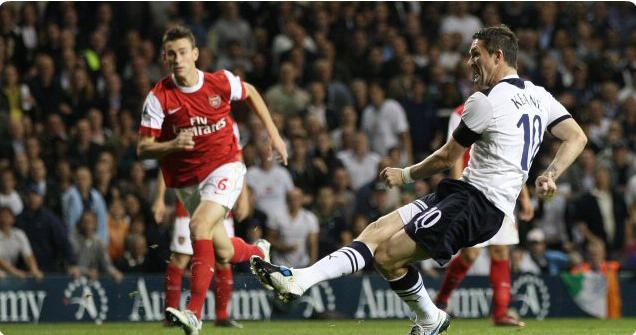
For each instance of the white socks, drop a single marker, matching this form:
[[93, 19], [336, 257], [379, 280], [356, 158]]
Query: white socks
[[342, 262], [410, 288]]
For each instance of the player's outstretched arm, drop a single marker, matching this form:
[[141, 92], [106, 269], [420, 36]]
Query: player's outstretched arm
[[440, 160], [256, 102], [149, 148], [574, 141]]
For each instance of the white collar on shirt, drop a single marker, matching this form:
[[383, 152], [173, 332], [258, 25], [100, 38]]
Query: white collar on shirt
[[190, 89]]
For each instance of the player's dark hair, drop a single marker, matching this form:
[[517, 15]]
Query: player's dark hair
[[178, 32], [500, 38]]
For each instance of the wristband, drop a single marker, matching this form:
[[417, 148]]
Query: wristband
[[406, 175]]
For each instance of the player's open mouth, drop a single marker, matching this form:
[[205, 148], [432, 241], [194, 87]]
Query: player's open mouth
[[475, 75]]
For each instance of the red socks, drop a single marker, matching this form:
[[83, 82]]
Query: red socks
[[500, 281], [454, 276], [223, 287], [203, 262], [174, 281], [243, 251]]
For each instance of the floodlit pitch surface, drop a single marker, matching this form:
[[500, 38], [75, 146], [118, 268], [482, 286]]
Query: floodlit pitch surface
[[625, 326]]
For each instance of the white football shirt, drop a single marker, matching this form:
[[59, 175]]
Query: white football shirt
[[507, 124]]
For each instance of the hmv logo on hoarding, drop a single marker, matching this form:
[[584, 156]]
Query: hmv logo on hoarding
[[21, 305]]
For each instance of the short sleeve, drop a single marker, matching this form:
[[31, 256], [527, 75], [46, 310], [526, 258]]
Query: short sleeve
[[287, 180], [478, 112], [453, 123], [238, 90], [401, 124], [273, 222], [556, 112], [25, 246], [313, 223], [151, 117]]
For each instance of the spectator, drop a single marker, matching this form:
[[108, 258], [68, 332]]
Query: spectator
[[48, 236], [13, 244], [21, 170], [9, 197], [377, 204], [82, 197], [15, 144], [84, 151], [344, 196], [333, 226], [93, 256], [348, 124], [384, 121], [600, 124], [45, 186], [236, 58], [294, 233], [581, 175], [324, 156], [461, 21], [138, 183], [306, 174], [424, 126], [134, 258], [230, 27], [270, 183], [118, 225], [45, 89], [361, 164], [17, 94], [598, 262], [286, 97], [317, 106], [601, 214], [540, 260], [338, 94]]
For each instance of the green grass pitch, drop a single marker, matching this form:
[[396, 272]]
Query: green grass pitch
[[625, 326]]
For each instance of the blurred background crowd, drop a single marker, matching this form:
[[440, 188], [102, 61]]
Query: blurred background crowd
[[353, 88]]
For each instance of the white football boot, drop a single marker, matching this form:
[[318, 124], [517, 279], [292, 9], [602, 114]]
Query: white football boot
[[185, 319], [280, 278], [439, 327]]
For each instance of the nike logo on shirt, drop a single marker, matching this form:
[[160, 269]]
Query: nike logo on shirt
[[174, 110]]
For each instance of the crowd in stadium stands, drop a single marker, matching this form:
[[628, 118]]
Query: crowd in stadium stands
[[353, 87]]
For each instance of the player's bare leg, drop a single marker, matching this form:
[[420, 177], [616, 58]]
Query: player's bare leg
[[205, 218], [455, 274], [392, 260], [500, 281], [174, 280], [292, 283]]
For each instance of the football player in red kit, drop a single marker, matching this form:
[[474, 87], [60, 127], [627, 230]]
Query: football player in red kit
[[186, 125], [181, 254]]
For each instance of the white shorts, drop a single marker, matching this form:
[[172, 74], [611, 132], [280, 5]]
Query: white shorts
[[181, 242], [508, 234], [223, 186]]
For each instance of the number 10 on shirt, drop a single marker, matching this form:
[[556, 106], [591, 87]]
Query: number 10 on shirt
[[530, 143]]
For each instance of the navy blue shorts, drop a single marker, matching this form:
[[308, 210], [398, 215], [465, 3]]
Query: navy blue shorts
[[455, 217]]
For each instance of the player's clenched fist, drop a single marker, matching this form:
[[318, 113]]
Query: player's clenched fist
[[545, 185], [184, 140], [392, 177]]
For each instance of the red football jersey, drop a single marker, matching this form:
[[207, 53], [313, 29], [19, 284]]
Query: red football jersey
[[460, 110], [203, 109]]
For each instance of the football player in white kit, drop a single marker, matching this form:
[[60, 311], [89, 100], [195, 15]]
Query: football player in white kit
[[505, 125], [498, 250]]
